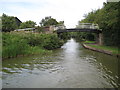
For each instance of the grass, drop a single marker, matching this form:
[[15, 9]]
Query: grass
[[114, 50], [89, 41]]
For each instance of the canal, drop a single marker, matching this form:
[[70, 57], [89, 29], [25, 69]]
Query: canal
[[71, 66]]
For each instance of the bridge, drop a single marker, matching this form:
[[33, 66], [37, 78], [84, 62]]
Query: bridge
[[85, 27]]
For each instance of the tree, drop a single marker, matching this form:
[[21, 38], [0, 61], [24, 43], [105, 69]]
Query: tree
[[27, 24], [47, 21], [8, 23], [107, 19], [61, 22]]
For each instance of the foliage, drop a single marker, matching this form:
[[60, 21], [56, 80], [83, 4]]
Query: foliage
[[61, 22], [47, 21], [83, 36], [13, 45], [27, 24], [89, 42], [20, 43], [0, 23], [64, 36], [52, 42], [8, 23], [107, 19], [39, 29], [0, 38]]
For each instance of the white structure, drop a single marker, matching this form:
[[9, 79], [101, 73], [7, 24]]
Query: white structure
[[59, 27], [87, 26], [25, 29]]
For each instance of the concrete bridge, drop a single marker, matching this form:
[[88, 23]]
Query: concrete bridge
[[92, 30]]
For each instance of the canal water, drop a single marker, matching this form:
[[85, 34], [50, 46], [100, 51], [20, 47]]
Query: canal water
[[71, 66]]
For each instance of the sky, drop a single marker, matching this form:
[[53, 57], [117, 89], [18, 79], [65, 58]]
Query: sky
[[69, 11]]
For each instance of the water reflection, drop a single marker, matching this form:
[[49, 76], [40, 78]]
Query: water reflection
[[72, 66]]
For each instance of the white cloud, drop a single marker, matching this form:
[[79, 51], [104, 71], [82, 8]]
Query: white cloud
[[71, 11]]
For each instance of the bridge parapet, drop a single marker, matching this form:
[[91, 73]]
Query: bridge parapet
[[87, 26]]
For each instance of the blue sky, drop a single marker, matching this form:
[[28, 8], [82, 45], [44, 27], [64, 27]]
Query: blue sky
[[70, 11]]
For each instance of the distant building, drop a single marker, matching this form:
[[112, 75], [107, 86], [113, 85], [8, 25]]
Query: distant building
[[48, 29], [52, 28], [18, 22]]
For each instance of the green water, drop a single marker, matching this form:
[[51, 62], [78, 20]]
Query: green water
[[71, 66]]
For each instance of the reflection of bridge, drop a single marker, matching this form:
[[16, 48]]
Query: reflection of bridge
[[97, 31]]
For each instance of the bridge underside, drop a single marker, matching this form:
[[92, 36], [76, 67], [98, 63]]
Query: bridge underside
[[79, 30], [97, 31]]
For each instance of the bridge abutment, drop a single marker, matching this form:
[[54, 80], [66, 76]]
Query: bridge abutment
[[99, 38]]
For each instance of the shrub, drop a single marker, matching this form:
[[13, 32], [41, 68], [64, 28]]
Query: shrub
[[52, 42], [13, 45], [19, 43]]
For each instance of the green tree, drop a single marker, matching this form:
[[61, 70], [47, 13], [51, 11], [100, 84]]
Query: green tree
[[8, 23], [47, 21], [108, 20], [61, 22], [39, 29], [27, 24]]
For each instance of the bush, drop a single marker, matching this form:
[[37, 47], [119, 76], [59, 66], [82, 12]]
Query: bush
[[19, 43], [52, 42], [47, 41], [13, 45]]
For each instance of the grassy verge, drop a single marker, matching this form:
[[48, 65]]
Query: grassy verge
[[114, 50], [89, 42], [21, 43]]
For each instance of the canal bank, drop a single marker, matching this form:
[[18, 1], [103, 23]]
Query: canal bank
[[95, 48]]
